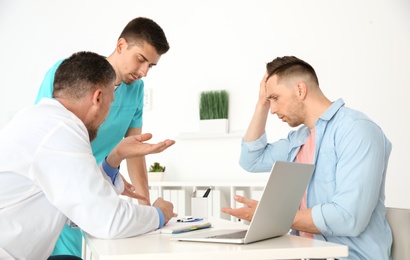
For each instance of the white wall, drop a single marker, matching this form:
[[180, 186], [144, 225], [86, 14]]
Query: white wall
[[360, 50]]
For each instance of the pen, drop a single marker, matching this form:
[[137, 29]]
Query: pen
[[189, 219], [207, 192]]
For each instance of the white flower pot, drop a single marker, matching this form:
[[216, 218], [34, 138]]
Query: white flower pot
[[155, 176], [214, 126]]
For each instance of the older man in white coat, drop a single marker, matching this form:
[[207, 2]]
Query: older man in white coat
[[48, 174]]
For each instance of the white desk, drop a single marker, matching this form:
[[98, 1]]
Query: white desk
[[158, 246]]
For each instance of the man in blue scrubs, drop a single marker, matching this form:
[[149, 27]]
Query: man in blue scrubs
[[139, 48]]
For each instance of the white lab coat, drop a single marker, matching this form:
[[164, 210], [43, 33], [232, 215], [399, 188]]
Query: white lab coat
[[48, 175]]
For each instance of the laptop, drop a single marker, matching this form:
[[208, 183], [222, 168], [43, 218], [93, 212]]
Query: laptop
[[275, 212]]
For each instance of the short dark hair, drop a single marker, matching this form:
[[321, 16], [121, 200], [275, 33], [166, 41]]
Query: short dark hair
[[288, 66], [143, 29], [81, 73]]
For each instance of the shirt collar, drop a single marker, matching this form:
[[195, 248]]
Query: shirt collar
[[332, 110]]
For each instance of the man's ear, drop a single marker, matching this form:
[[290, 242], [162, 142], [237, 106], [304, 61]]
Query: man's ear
[[301, 90], [121, 45], [97, 97]]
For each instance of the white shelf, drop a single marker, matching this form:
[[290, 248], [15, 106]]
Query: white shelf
[[207, 184], [194, 136], [179, 193]]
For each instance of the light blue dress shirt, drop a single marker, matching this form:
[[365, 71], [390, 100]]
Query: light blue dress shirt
[[347, 189]]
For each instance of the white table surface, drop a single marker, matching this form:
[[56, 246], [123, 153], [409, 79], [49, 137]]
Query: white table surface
[[159, 246]]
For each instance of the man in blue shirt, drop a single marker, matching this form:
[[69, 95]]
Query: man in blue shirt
[[139, 48], [344, 202]]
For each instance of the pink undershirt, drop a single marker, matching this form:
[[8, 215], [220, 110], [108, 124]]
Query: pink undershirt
[[305, 155]]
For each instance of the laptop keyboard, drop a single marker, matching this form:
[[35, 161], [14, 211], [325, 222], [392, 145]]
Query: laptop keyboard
[[234, 235]]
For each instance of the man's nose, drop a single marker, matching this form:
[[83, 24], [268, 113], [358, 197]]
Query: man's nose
[[273, 109], [143, 71]]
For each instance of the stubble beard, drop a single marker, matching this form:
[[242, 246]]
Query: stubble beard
[[128, 80], [92, 132], [297, 113]]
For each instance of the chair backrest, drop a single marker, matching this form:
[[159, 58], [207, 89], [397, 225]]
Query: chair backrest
[[399, 221]]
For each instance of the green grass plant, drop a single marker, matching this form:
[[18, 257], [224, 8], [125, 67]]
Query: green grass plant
[[214, 105]]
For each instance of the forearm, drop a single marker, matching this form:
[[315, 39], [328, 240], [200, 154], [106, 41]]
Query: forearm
[[114, 159], [258, 123], [116, 156], [304, 222], [137, 171]]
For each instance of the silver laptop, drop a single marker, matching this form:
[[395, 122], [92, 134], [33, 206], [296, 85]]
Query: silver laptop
[[275, 212]]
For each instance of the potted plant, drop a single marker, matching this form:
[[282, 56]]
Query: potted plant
[[156, 172], [213, 112]]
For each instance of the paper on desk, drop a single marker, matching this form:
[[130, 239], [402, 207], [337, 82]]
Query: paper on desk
[[181, 227]]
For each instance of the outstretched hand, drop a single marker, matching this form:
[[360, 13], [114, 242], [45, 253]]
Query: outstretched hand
[[245, 213], [134, 146]]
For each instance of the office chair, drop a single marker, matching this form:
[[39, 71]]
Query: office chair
[[399, 221]]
